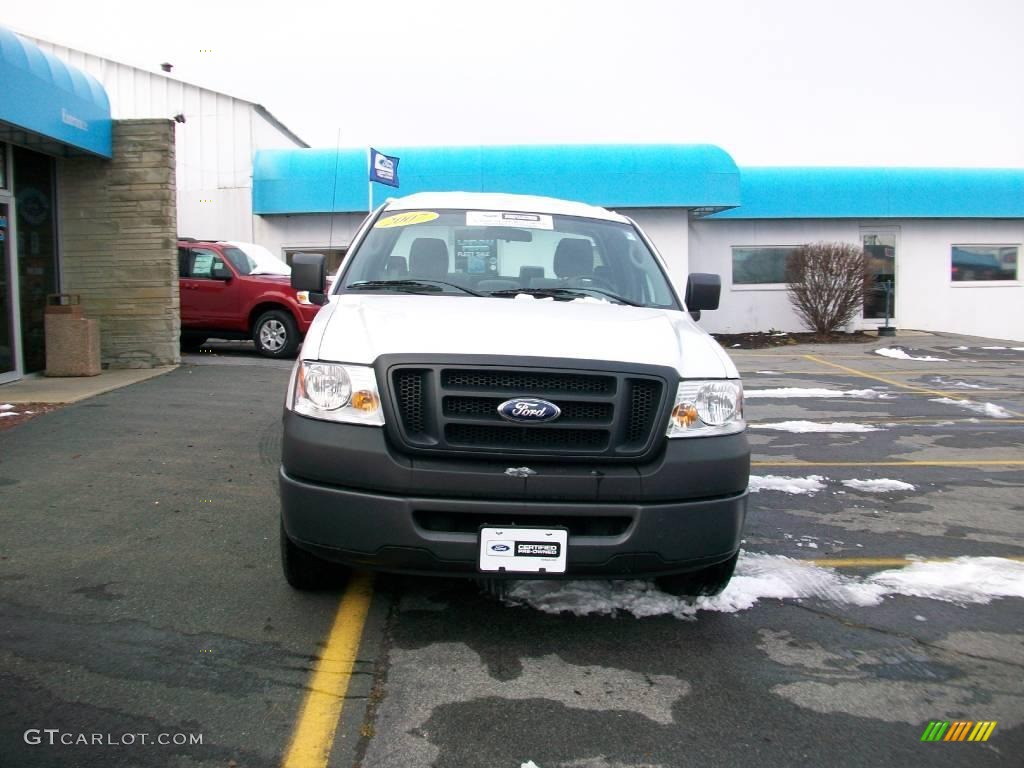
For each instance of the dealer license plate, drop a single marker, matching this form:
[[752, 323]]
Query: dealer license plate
[[523, 550]]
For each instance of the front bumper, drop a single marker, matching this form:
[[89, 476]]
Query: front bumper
[[347, 496]]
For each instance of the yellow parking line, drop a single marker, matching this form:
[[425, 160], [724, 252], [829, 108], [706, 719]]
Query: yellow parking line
[[903, 420], [885, 562], [959, 395], [318, 719], [883, 379], [976, 372], [922, 463]]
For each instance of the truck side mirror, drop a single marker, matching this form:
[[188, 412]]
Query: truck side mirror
[[309, 273], [703, 291]]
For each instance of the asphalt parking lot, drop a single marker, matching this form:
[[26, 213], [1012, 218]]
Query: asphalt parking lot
[[140, 593]]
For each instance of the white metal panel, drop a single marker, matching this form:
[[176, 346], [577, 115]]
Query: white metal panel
[[266, 135], [669, 230], [275, 233]]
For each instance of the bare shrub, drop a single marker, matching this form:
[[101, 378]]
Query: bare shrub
[[827, 284]]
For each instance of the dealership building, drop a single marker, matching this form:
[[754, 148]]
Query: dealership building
[[103, 165]]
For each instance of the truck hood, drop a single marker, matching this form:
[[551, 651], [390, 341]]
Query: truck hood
[[360, 328]]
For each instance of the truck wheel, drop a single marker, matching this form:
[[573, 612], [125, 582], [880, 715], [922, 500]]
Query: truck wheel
[[275, 334], [707, 581], [305, 571]]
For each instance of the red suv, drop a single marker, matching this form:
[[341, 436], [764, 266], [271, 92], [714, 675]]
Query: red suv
[[228, 293]]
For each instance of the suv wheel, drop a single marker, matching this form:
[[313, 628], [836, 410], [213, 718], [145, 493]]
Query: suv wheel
[[191, 343], [305, 571], [707, 581], [275, 334]]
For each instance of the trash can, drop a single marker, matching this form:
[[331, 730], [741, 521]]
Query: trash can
[[72, 341]]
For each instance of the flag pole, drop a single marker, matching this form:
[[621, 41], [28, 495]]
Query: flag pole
[[369, 184]]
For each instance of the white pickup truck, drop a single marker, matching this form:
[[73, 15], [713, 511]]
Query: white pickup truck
[[508, 386]]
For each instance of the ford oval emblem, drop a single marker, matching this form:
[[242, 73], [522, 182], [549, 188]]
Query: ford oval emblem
[[527, 410], [500, 547]]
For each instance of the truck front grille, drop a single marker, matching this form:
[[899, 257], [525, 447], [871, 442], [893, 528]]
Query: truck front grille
[[455, 408]]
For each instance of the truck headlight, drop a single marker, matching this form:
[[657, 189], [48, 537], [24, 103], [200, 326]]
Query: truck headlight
[[705, 408], [336, 392]]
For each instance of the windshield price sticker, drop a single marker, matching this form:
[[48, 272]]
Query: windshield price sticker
[[405, 219], [509, 219]]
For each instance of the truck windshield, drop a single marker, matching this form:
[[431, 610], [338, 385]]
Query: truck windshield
[[506, 254]]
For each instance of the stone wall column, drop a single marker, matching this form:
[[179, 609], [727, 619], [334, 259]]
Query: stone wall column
[[119, 249]]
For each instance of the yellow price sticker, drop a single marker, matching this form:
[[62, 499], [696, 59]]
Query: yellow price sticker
[[405, 219]]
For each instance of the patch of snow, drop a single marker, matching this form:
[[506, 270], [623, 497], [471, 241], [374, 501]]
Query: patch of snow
[[799, 485], [1017, 349], [963, 580], [993, 347], [590, 300], [961, 348], [787, 392], [775, 577], [529, 764], [961, 384], [988, 409], [733, 345], [6, 407], [883, 485], [9, 413], [770, 373], [528, 297], [919, 617], [814, 426], [901, 354]]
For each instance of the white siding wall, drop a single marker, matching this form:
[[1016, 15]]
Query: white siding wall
[[930, 301], [754, 308], [668, 228], [926, 298], [214, 147], [308, 230]]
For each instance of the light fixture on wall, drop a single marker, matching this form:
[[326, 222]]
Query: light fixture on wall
[[166, 66], [179, 118]]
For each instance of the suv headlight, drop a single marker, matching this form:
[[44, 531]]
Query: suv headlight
[[336, 392], [705, 408]]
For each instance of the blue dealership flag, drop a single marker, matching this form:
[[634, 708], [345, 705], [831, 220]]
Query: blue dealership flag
[[383, 168]]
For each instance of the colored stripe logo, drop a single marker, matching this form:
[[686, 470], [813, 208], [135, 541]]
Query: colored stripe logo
[[958, 730]]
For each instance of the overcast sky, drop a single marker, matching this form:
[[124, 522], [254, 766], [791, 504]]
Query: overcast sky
[[792, 82]]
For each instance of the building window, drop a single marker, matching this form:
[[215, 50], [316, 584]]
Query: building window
[[3, 165], [984, 262], [761, 265]]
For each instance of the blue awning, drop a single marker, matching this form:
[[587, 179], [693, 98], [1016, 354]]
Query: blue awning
[[697, 176], [882, 193], [43, 97]]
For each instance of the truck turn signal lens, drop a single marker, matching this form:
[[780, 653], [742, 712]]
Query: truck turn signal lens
[[364, 400], [684, 414]]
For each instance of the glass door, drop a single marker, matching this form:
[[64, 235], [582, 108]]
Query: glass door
[[8, 333], [880, 246]]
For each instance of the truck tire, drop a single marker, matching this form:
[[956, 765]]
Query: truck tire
[[305, 571], [276, 334], [705, 582]]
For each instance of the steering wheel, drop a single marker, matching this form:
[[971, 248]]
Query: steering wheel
[[590, 282]]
